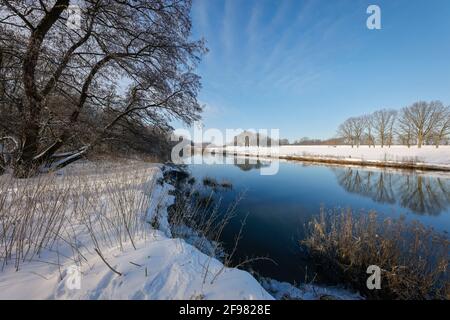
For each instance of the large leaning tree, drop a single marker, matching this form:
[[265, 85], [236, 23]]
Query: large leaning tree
[[111, 62]]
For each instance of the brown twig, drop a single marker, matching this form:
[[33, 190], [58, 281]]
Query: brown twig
[[106, 262]]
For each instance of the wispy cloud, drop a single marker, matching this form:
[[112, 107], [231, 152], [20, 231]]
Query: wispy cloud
[[227, 26], [298, 45], [200, 16], [266, 53], [254, 24]]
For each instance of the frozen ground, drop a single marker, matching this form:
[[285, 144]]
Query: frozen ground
[[429, 155]]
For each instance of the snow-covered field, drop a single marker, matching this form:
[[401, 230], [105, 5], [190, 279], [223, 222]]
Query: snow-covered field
[[136, 262], [427, 155]]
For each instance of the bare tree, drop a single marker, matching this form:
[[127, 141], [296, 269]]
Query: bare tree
[[358, 126], [404, 130], [129, 59], [383, 122], [419, 123], [346, 131], [391, 128], [423, 118], [442, 126], [368, 124]]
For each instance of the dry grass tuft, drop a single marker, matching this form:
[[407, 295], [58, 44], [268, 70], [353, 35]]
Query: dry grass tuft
[[413, 259], [198, 216], [62, 213]]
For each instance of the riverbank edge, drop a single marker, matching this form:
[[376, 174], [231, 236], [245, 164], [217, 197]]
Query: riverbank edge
[[279, 290], [175, 267], [337, 161]]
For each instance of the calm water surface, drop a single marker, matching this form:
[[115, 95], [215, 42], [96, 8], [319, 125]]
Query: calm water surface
[[279, 205]]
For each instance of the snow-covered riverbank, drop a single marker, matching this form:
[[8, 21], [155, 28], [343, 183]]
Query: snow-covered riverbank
[[159, 267], [425, 158], [101, 231]]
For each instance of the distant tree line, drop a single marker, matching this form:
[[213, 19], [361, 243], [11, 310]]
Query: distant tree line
[[306, 141], [422, 123]]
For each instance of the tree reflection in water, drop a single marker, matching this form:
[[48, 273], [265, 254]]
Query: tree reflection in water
[[425, 195], [247, 164]]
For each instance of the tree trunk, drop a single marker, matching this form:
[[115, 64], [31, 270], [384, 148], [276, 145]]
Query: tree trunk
[[419, 140], [26, 164]]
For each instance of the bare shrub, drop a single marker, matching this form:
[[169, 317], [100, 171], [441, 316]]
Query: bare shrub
[[98, 206], [198, 219], [210, 182], [215, 185], [413, 258]]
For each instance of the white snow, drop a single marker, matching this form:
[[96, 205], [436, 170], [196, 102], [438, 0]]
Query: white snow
[[159, 268], [154, 266], [286, 291], [399, 154]]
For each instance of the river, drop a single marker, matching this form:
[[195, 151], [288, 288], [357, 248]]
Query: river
[[279, 205]]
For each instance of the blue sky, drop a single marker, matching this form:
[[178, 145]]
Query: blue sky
[[304, 66]]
